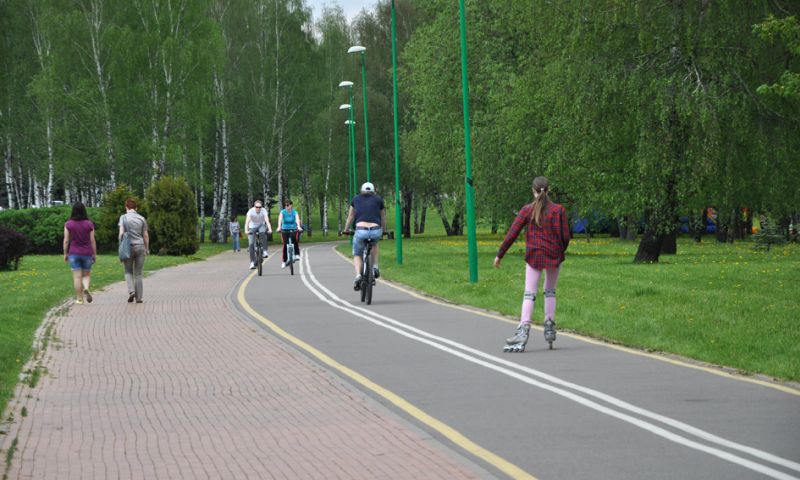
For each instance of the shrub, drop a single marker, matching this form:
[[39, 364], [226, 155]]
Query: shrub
[[13, 245], [44, 227], [172, 222], [107, 223]]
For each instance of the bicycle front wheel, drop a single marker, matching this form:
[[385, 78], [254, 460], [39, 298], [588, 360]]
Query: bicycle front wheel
[[259, 259]]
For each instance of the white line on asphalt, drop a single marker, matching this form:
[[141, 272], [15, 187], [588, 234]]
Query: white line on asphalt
[[446, 345]]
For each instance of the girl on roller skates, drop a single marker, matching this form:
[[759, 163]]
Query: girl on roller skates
[[547, 238]]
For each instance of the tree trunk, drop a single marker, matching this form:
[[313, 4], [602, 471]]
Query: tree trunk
[[9, 174], [202, 190], [423, 214], [215, 201], [408, 197], [649, 248], [225, 191], [325, 187], [306, 192], [437, 203], [670, 243]]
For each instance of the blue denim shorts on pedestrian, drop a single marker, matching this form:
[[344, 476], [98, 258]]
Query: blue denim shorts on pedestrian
[[361, 236], [80, 262]]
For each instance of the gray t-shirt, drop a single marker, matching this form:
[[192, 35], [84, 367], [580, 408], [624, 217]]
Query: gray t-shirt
[[135, 225]]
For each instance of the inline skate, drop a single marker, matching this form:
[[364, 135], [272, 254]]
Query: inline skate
[[549, 332], [517, 342]]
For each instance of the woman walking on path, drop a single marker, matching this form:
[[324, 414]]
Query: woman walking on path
[[136, 226], [80, 251], [236, 235], [547, 238]]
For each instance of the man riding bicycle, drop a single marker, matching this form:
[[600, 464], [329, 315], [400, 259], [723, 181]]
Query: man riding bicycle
[[289, 224], [257, 219], [368, 212]]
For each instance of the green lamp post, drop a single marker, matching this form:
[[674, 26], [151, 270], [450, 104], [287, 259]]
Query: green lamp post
[[398, 214], [472, 244]]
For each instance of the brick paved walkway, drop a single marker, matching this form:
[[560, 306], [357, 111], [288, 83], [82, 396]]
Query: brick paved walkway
[[181, 386]]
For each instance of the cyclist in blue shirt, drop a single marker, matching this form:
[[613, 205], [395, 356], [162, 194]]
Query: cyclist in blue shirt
[[368, 213], [289, 219]]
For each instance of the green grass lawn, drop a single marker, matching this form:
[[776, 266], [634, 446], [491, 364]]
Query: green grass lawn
[[724, 304], [44, 281]]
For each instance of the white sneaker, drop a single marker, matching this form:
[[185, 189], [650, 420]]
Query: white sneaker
[[297, 257], [266, 254], [283, 264], [252, 265]]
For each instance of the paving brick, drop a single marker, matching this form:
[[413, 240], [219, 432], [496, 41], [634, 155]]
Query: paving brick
[[182, 387]]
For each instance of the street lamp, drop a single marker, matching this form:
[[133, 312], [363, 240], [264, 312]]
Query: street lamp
[[349, 152], [362, 51], [398, 215], [472, 244], [349, 86], [352, 146]]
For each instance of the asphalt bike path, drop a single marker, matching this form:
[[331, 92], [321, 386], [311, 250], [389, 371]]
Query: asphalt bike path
[[582, 410]]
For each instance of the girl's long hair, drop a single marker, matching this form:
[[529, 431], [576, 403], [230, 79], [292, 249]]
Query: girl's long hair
[[540, 203], [79, 212]]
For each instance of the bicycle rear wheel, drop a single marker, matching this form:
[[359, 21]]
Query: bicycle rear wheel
[[368, 287], [366, 267], [290, 257]]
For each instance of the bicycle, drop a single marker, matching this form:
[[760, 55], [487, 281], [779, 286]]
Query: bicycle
[[367, 272], [290, 255], [259, 252]]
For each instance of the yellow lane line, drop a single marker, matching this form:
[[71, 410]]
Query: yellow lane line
[[714, 371], [445, 430]]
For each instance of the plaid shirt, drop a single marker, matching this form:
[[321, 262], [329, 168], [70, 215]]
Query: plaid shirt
[[544, 245]]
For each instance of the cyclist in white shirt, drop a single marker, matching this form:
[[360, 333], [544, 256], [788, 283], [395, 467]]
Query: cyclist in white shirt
[[257, 219]]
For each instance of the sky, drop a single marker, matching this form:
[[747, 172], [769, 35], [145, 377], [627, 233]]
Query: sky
[[351, 8]]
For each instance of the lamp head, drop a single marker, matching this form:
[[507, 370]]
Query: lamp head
[[345, 106], [346, 84], [356, 49], [349, 122]]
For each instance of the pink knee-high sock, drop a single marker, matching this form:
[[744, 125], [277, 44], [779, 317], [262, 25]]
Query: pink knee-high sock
[[531, 286], [550, 281]]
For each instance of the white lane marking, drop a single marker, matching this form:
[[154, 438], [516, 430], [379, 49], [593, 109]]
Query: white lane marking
[[445, 345]]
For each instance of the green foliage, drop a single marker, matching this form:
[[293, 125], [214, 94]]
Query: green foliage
[[171, 217], [44, 227], [787, 32], [107, 222], [13, 246]]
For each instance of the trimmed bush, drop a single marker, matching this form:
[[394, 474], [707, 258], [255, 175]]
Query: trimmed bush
[[107, 224], [171, 217], [44, 227], [13, 245]]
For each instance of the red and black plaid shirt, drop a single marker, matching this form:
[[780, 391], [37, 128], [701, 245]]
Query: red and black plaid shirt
[[544, 245]]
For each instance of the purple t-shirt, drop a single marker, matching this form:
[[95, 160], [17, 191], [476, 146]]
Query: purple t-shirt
[[80, 241]]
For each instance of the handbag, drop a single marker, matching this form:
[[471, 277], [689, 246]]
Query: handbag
[[125, 242]]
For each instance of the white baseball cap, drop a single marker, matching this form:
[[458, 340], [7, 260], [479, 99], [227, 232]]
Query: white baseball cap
[[368, 187]]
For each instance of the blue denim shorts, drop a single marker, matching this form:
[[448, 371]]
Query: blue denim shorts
[[80, 262], [361, 235]]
